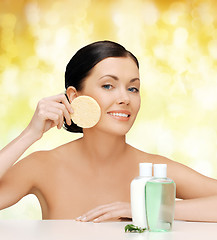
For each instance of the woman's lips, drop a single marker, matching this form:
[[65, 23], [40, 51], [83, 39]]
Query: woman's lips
[[121, 115]]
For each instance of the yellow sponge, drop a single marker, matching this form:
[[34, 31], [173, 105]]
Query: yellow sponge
[[86, 113]]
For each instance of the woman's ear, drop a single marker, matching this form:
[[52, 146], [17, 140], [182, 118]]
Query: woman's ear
[[71, 93]]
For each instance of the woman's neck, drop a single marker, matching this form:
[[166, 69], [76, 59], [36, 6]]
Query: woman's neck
[[103, 148]]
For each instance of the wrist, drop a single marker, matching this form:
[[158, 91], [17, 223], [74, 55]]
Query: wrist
[[179, 210], [31, 135]]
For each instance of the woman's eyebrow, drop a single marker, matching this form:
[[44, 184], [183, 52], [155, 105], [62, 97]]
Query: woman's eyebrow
[[116, 78], [134, 79], [109, 75]]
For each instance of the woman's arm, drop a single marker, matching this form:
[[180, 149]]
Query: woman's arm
[[17, 180], [197, 210], [50, 112], [12, 152], [199, 194]]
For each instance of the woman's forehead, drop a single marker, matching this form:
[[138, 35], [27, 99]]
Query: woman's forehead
[[116, 65]]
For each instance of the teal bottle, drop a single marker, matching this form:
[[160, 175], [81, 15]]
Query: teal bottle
[[160, 193]]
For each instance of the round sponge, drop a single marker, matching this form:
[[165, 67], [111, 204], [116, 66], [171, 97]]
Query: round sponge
[[86, 113]]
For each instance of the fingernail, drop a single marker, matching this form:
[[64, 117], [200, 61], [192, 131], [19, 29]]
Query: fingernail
[[78, 218], [83, 219], [96, 220]]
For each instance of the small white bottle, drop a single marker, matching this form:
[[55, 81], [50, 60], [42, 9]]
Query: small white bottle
[[137, 193], [160, 200]]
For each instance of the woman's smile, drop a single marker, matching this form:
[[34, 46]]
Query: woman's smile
[[121, 115]]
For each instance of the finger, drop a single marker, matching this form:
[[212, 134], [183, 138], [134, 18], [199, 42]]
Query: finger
[[52, 117], [110, 205], [62, 98], [64, 111], [98, 212], [93, 212], [117, 211], [101, 207], [106, 216], [61, 122], [59, 110], [116, 214], [57, 116]]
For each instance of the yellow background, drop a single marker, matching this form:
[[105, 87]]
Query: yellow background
[[176, 45]]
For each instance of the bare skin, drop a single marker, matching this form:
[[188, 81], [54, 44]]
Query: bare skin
[[90, 177]]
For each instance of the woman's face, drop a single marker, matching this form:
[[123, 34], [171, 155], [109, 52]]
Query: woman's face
[[114, 83]]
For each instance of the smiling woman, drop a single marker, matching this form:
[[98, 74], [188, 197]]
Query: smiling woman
[[90, 177], [114, 94], [82, 64]]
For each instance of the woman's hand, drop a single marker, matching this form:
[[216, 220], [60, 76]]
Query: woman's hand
[[50, 112], [112, 211]]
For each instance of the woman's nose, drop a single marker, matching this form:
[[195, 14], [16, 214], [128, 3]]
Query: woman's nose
[[123, 97]]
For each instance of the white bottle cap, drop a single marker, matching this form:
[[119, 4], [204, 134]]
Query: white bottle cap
[[160, 170], [145, 169]]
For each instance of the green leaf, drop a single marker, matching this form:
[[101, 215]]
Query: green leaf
[[133, 228]]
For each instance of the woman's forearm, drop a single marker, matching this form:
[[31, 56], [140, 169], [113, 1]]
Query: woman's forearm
[[49, 113], [199, 209], [12, 152]]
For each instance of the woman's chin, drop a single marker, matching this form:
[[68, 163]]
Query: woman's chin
[[117, 131]]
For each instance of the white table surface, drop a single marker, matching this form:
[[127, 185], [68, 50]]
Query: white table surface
[[70, 229]]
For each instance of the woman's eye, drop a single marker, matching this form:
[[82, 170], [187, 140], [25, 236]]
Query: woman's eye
[[133, 89], [107, 86]]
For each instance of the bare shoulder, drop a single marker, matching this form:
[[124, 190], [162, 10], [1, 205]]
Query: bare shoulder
[[142, 156], [29, 169], [41, 163], [35, 159], [174, 168], [56, 154]]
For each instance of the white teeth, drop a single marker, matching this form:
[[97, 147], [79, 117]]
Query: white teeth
[[119, 114]]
